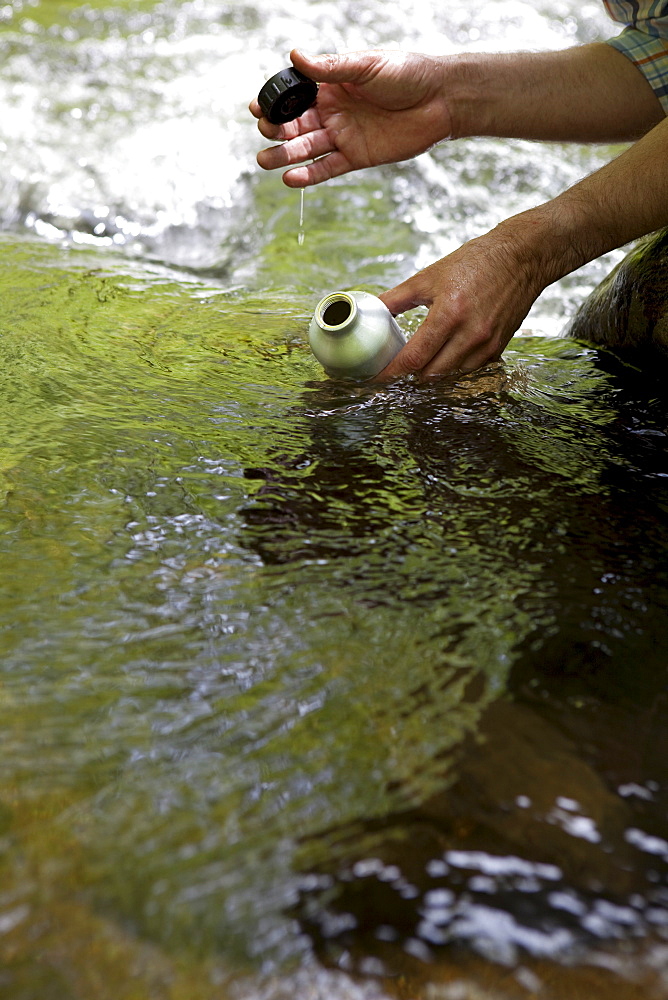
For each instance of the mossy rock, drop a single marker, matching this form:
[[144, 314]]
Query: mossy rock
[[629, 309]]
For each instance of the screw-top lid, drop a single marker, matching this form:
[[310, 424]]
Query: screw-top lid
[[287, 95]]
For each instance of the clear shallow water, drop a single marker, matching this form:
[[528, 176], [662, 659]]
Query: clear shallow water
[[307, 689]]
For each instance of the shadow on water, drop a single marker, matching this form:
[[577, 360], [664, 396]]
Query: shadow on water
[[545, 841]]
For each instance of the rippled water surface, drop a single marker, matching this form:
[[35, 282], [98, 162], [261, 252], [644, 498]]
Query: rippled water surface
[[307, 689]]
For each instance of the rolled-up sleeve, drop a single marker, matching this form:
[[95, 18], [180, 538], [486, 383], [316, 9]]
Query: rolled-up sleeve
[[644, 40]]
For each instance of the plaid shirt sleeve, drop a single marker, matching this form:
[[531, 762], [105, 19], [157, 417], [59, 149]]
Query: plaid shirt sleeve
[[644, 40]]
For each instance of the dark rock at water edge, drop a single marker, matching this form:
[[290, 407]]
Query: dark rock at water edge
[[629, 309]]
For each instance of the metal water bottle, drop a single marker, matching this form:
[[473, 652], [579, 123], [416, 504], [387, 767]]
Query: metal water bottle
[[354, 335]]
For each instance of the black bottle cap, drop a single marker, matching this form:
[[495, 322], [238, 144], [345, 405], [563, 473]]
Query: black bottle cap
[[287, 95]]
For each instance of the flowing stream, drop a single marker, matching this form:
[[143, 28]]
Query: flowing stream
[[307, 689]]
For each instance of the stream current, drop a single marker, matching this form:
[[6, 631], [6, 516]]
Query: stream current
[[308, 689]]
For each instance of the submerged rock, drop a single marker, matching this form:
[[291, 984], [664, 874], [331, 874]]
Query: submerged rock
[[629, 309]]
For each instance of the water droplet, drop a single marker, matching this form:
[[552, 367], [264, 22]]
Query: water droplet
[[300, 235]]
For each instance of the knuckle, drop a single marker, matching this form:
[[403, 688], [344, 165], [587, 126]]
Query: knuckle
[[482, 336], [459, 307]]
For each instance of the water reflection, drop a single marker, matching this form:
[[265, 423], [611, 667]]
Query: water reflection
[[541, 848], [545, 837], [274, 630]]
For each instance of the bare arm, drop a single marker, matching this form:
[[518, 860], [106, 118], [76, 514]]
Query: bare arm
[[381, 107], [589, 93], [479, 295]]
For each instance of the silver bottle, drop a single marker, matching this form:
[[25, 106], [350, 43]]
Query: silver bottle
[[354, 335]]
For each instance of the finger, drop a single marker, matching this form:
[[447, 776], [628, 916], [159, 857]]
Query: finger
[[349, 67], [421, 349], [308, 122], [305, 147], [403, 297], [457, 356], [332, 165]]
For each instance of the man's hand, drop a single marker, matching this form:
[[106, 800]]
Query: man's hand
[[381, 106], [477, 298], [479, 295], [373, 107]]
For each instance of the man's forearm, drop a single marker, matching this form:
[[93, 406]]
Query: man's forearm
[[590, 93], [625, 199], [479, 294]]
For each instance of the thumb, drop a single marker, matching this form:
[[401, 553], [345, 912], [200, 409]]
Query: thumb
[[405, 296], [350, 67]]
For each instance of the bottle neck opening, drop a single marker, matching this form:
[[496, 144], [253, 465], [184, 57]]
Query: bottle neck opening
[[336, 311]]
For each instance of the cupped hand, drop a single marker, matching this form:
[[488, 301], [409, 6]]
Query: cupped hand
[[373, 107], [477, 299]]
